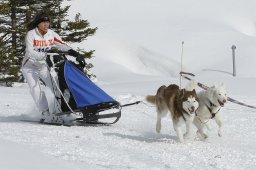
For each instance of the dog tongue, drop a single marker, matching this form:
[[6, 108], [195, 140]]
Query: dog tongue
[[192, 110]]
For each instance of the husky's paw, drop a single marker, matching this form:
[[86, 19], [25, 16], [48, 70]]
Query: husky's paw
[[158, 129], [203, 136], [220, 133], [181, 140], [186, 136]]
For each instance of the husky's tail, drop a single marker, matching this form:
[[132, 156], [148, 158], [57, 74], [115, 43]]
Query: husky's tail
[[151, 99], [191, 85]]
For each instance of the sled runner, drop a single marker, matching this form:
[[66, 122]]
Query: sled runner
[[76, 94]]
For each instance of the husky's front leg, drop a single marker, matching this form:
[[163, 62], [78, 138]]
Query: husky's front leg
[[177, 127], [179, 133], [219, 121], [188, 129], [200, 127]]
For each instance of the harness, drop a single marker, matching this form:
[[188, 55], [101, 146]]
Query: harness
[[183, 110], [210, 109]]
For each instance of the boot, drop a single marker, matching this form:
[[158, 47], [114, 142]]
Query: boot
[[48, 117], [44, 115]]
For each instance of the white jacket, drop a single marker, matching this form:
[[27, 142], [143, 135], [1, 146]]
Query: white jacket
[[37, 45]]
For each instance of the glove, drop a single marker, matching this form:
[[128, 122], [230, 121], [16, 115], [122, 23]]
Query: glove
[[53, 50], [81, 61], [48, 61], [73, 53], [53, 59]]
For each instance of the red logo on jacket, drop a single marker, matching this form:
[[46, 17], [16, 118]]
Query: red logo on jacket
[[43, 43]]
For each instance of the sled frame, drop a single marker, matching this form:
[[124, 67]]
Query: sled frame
[[90, 114]]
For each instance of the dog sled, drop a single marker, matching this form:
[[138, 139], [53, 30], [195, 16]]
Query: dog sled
[[76, 94]]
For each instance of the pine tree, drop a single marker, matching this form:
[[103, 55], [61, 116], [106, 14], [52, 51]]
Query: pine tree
[[70, 31], [9, 39], [14, 17]]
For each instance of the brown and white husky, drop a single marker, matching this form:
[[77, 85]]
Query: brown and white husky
[[181, 103]]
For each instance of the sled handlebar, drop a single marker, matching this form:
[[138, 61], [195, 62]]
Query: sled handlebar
[[63, 53]]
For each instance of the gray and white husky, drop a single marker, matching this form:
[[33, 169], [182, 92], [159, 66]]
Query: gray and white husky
[[210, 103], [181, 103]]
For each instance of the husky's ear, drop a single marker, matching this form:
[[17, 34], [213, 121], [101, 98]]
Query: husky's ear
[[223, 85], [215, 86]]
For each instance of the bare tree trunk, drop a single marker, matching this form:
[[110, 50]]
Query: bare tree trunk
[[14, 24]]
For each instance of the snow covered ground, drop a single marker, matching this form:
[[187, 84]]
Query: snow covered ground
[[138, 48], [132, 143]]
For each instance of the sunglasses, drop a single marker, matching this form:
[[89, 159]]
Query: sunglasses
[[45, 19]]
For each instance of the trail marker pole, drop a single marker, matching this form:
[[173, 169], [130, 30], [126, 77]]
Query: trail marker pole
[[234, 59], [181, 60]]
